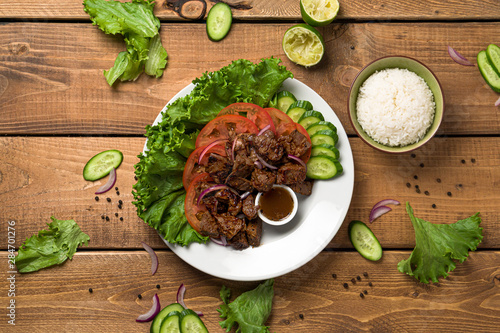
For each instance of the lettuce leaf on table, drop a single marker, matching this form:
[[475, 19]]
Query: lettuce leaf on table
[[159, 193], [50, 247], [249, 311], [437, 245]]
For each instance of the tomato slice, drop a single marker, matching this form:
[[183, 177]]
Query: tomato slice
[[284, 124], [190, 204], [220, 127], [305, 157], [189, 171], [255, 113]]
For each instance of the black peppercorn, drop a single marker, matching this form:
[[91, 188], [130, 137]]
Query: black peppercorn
[[416, 186], [352, 47], [108, 199], [365, 292], [120, 202], [119, 206], [157, 286], [117, 193], [463, 161], [370, 284], [415, 177], [103, 217], [473, 160], [107, 218], [421, 165], [96, 198], [408, 185], [90, 290], [413, 155], [449, 194], [346, 285], [417, 190], [353, 280], [438, 180], [365, 274], [135, 177], [116, 188], [301, 316], [426, 192], [433, 205], [361, 295], [139, 296], [116, 214], [334, 275], [358, 278], [121, 218]]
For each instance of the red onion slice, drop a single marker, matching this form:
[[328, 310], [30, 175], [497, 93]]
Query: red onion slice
[[222, 241], [207, 148], [297, 159], [258, 164], [110, 183], [458, 58], [264, 163], [379, 211], [210, 189], [264, 129], [232, 149], [497, 103], [148, 316], [385, 202], [180, 295], [154, 257]]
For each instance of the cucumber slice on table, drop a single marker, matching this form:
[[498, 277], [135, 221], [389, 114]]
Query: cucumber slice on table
[[493, 53], [157, 322], [219, 21], [297, 109], [284, 99], [319, 126], [191, 323], [325, 149], [488, 72], [364, 241], [323, 167], [171, 323], [328, 137], [101, 164], [310, 117]]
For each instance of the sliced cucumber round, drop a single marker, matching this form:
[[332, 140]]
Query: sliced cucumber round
[[156, 324], [328, 137], [284, 99], [191, 323], [297, 109], [324, 149], [171, 323], [310, 117], [319, 126], [364, 241], [101, 164], [323, 167], [219, 20]]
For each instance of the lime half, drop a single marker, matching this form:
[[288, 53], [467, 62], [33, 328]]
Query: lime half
[[303, 45], [319, 12]]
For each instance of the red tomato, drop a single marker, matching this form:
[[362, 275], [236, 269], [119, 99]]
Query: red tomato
[[190, 204], [188, 174], [219, 128], [305, 157], [284, 124], [255, 113]]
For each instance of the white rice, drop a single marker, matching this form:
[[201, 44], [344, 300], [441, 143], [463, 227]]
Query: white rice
[[395, 107]]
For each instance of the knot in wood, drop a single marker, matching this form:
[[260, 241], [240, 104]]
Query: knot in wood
[[19, 48]]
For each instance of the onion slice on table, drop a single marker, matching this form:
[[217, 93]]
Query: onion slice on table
[[385, 202], [180, 298], [148, 316], [109, 184], [264, 129], [458, 58], [298, 160], [207, 148], [264, 163], [154, 257], [497, 103], [379, 211]]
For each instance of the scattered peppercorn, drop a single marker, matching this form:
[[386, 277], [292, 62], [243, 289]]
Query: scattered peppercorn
[[365, 292], [117, 193], [370, 284], [438, 180], [416, 186], [301, 316], [135, 177], [96, 198], [358, 278], [116, 214], [353, 280], [352, 47], [108, 199], [116, 188], [139, 296], [119, 206], [421, 165], [120, 202], [433, 205], [121, 218], [365, 274], [408, 185], [463, 161], [417, 190], [416, 177], [157, 286], [346, 285], [103, 217], [449, 194], [107, 218], [413, 155], [334, 275], [426, 193], [361, 295], [473, 160], [90, 290]]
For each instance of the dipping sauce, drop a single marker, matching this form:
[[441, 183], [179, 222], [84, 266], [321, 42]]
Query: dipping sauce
[[276, 204]]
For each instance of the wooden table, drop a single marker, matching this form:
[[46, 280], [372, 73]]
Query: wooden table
[[56, 111]]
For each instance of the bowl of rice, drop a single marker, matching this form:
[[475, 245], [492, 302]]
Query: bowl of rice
[[396, 104]]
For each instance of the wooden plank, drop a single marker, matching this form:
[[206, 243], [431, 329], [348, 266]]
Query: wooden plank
[[43, 176], [467, 301], [271, 10], [52, 83]]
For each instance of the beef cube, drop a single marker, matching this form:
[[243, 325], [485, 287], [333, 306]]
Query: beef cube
[[210, 203], [218, 167], [243, 166], [231, 199], [291, 173], [254, 232], [295, 143], [244, 142], [268, 147], [208, 225], [229, 225], [241, 184], [249, 208], [304, 188], [263, 180], [239, 242]]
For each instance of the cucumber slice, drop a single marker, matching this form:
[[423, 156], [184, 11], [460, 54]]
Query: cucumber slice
[[297, 109], [364, 241], [323, 167], [327, 150], [219, 21], [310, 117], [284, 100], [488, 72], [191, 323], [171, 323], [493, 53], [101, 164], [157, 322], [328, 137], [322, 125]]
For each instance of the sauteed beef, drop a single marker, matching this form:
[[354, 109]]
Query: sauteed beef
[[254, 163]]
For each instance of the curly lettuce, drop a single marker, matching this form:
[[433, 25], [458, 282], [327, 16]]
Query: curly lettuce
[[159, 193], [438, 245]]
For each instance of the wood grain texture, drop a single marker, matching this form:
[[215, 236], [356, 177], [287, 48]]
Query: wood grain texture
[[467, 301], [272, 10], [53, 83], [43, 176]]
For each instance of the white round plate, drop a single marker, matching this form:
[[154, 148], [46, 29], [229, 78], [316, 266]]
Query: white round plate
[[284, 248]]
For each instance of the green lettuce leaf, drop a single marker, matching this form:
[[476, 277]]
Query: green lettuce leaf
[[50, 247], [156, 58], [159, 170], [249, 311], [438, 245]]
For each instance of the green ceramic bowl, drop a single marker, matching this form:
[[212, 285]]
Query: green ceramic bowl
[[396, 62]]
